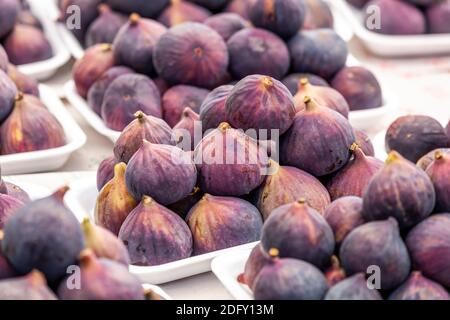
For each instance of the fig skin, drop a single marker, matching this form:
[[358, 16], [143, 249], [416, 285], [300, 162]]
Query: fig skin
[[364, 142], [217, 176], [24, 83], [212, 110], [427, 159], [30, 127], [318, 15], [429, 246], [43, 235], [8, 207], [282, 17], [417, 287], [114, 202], [26, 17], [105, 171], [8, 93], [89, 9], [180, 12], [152, 129], [321, 52], [334, 274], [292, 81], [399, 190], [6, 269], [240, 7], [154, 235], [258, 51], [219, 223], [213, 5], [177, 98], [4, 61], [127, 95], [439, 173], [343, 215], [183, 206], [142, 35], [33, 286], [226, 24], [9, 11], [16, 192], [377, 244], [438, 17], [300, 146], [189, 124], [298, 231], [353, 288], [102, 279], [96, 61], [165, 173], [288, 184], [192, 54], [145, 8], [105, 28], [257, 260]]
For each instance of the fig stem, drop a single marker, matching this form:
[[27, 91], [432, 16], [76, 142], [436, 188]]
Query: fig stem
[[140, 116], [304, 81], [309, 103], [392, 157], [267, 82], [274, 253], [134, 18], [2, 235], [335, 262], [60, 193], [119, 169], [19, 96], [36, 278], [103, 8], [224, 126], [105, 47], [438, 155], [301, 201], [147, 200]]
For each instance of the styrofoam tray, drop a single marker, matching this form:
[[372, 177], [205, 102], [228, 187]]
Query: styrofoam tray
[[81, 200], [386, 45], [51, 159]]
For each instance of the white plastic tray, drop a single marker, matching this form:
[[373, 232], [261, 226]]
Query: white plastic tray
[[81, 200], [386, 45], [51, 159]]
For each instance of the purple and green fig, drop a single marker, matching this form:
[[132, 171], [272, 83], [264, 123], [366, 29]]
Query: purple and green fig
[[105, 171], [185, 130], [105, 28], [439, 173], [9, 12], [353, 288], [212, 110], [181, 11], [417, 287], [318, 15], [23, 82], [8, 93], [33, 286], [226, 24]]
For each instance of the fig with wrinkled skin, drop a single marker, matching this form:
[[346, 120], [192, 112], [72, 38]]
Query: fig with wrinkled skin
[[4, 61], [399, 190], [180, 12], [23, 82], [212, 110], [292, 81], [105, 28], [88, 10], [154, 235], [8, 207], [183, 206], [152, 129], [33, 286], [240, 7], [334, 273], [226, 24], [439, 173], [377, 244], [364, 142], [9, 11], [438, 17], [353, 288], [6, 269], [318, 15], [8, 93], [219, 223], [148, 9], [105, 171], [427, 159], [213, 5], [257, 260], [186, 128], [417, 287]]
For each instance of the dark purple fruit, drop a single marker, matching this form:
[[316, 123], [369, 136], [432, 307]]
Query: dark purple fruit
[[9, 11], [257, 51], [88, 10], [180, 12], [318, 15], [226, 24], [105, 28], [212, 110], [257, 260], [4, 61], [292, 81], [438, 17], [353, 288], [447, 129], [23, 82], [241, 7], [8, 207], [161, 84], [213, 5], [439, 173], [33, 286], [427, 159], [183, 206], [105, 172], [334, 273], [148, 9], [6, 269], [8, 93], [188, 130], [364, 142], [417, 287]]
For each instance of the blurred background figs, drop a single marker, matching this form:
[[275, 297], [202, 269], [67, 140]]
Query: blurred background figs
[[32, 286], [105, 28], [417, 287], [318, 15], [212, 110], [439, 173], [24, 83], [226, 24], [9, 13], [353, 288], [240, 7]]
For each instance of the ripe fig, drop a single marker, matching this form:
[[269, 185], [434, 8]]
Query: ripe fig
[[427, 159], [288, 184], [226, 24], [219, 223], [191, 53], [16, 192], [152, 129], [334, 273], [300, 232], [292, 81], [429, 246], [43, 235], [96, 61], [105, 28], [399, 190], [257, 51], [102, 279], [318, 15], [23, 82], [148, 9], [9, 11], [300, 146], [322, 52], [417, 287], [184, 130], [212, 110], [377, 244], [359, 87], [438, 17], [165, 173], [439, 173], [33, 286], [162, 85], [6, 269], [105, 172], [213, 5], [364, 142], [88, 10], [257, 260], [8, 92], [114, 202], [155, 235], [180, 12], [141, 35], [177, 98], [4, 61], [8, 207], [30, 127], [127, 95], [353, 288], [240, 7], [358, 3], [230, 163], [183, 206]]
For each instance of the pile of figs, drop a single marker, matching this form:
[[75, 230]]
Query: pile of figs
[[406, 17]]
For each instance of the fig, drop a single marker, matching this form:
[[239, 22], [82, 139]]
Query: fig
[[101, 279], [44, 235], [185, 130], [165, 173], [96, 92], [88, 10], [364, 142], [23, 82], [114, 202], [413, 136], [219, 223], [321, 52], [191, 53], [226, 24], [429, 246], [9, 11], [399, 190], [288, 184], [298, 231], [324, 96], [105, 171], [377, 244], [141, 35], [257, 51], [4, 61], [105, 27], [417, 287], [212, 110], [229, 162], [256, 261], [292, 81], [8, 92], [343, 215], [183, 206], [180, 11], [154, 235], [96, 61], [26, 17], [30, 127], [177, 98], [318, 15], [358, 3], [439, 173], [240, 7], [353, 288], [6, 269], [319, 140], [145, 8], [125, 96], [8, 207], [282, 17], [16, 192], [289, 279], [427, 159], [213, 5], [334, 273], [152, 129], [33, 286], [353, 179]]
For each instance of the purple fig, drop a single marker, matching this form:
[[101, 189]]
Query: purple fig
[[105, 28], [105, 172], [364, 142], [16, 192], [213, 5], [241, 7], [6, 269], [161, 84], [427, 159], [26, 17], [4, 61], [181, 11], [183, 206], [358, 3], [318, 15], [24, 83], [89, 12], [353, 288], [33, 286], [292, 81], [439, 173], [212, 110], [226, 24], [8, 92], [257, 260], [8, 207], [334, 273], [145, 8], [9, 11], [417, 287], [185, 130]]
